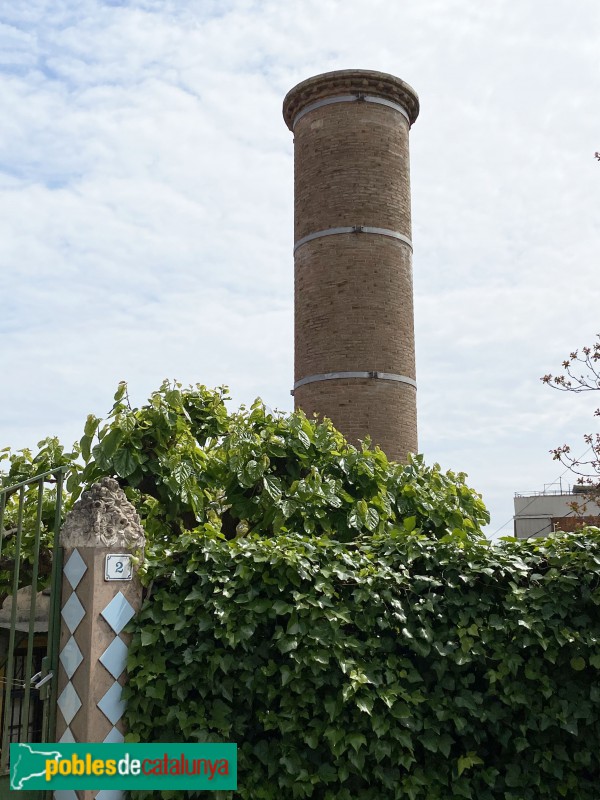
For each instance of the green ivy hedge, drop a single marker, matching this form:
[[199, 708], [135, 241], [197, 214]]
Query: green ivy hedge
[[395, 665], [337, 615]]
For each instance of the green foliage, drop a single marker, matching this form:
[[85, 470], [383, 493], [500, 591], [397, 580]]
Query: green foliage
[[184, 461], [23, 464], [156, 452], [341, 617], [27, 507], [392, 665], [283, 561]]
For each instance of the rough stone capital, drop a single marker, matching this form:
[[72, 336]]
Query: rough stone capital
[[103, 517]]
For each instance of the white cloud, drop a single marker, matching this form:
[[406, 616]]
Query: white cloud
[[146, 208]]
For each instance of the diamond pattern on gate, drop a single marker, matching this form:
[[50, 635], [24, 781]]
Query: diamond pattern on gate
[[118, 612], [67, 737], [111, 705], [71, 657], [69, 702], [75, 569], [114, 657], [73, 612], [114, 737]]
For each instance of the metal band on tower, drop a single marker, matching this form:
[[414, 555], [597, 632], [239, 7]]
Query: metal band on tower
[[354, 329]]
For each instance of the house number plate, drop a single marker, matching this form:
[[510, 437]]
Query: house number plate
[[118, 567]]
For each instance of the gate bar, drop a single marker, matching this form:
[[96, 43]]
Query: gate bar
[[50, 663], [10, 664], [34, 588]]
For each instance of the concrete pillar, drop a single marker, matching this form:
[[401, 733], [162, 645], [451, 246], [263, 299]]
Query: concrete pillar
[[94, 610], [354, 329]]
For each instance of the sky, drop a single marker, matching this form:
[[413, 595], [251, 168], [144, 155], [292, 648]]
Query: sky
[[146, 210]]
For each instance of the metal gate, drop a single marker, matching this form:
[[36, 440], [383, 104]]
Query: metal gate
[[30, 570]]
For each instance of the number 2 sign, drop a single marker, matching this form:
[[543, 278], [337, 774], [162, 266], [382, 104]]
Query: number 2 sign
[[118, 567]]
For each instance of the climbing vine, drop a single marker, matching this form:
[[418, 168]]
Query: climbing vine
[[393, 665], [185, 461]]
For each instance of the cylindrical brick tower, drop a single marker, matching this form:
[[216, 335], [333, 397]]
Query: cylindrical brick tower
[[354, 329]]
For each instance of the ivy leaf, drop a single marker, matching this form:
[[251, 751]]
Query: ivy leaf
[[409, 524], [121, 391], [356, 740], [124, 463], [109, 443], [272, 487], [303, 437], [354, 518], [91, 425], [362, 509], [371, 519], [471, 759], [365, 704], [85, 443], [430, 740], [148, 637], [251, 473], [221, 716]]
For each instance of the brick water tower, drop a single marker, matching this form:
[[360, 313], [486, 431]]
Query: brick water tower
[[354, 330]]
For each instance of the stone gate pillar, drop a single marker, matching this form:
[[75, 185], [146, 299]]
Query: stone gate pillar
[[103, 541]]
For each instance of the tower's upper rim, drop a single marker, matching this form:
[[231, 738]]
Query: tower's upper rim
[[350, 81]]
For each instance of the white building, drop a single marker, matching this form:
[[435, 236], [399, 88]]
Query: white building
[[540, 513]]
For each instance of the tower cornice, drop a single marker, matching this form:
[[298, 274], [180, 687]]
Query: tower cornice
[[359, 82]]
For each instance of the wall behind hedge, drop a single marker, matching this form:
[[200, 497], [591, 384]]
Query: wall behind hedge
[[388, 667]]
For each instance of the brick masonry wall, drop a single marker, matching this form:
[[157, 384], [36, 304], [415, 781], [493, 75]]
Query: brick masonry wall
[[384, 410], [353, 291], [351, 168], [354, 306]]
